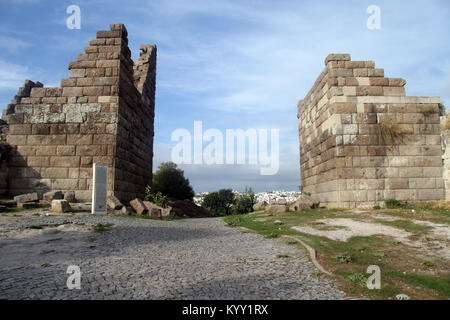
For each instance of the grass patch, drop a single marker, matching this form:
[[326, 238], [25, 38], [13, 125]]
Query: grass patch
[[441, 284], [100, 228], [393, 204], [282, 256], [407, 226], [16, 209], [357, 278], [343, 258], [428, 263], [348, 261]]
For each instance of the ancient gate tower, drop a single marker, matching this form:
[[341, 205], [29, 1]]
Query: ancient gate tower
[[103, 113], [362, 141]]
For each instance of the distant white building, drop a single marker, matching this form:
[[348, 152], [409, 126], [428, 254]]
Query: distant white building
[[269, 197]]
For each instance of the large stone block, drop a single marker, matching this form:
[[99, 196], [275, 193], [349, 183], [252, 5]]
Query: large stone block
[[27, 197]]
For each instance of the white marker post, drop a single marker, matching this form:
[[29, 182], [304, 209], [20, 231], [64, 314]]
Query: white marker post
[[99, 188]]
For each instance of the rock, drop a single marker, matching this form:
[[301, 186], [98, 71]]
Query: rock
[[187, 208], [282, 201], [49, 231], [125, 210], [27, 197], [53, 195], [138, 206], [61, 206], [259, 206], [27, 205], [166, 212], [276, 208], [8, 203], [3, 208], [113, 203], [155, 213], [303, 202], [70, 196]]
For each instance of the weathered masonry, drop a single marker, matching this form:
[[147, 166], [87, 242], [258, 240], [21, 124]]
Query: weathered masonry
[[103, 113], [362, 141]]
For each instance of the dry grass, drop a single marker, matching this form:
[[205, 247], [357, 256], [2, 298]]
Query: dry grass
[[443, 204], [446, 125], [389, 133], [428, 110]]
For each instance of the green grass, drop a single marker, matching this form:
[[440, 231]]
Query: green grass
[[441, 284], [428, 263], [100, 228], [348, 261], [16, 209], [407, 226]]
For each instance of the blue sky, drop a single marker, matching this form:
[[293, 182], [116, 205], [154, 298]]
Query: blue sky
[[232, 64]]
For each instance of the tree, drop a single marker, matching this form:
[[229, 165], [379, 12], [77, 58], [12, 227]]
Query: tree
[[170, 181], [220, 201], [244, 202]]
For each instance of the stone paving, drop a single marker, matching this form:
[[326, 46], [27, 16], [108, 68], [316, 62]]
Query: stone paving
[[151, 259]]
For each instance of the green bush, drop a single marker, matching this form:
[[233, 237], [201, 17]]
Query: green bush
[[170, 182], [392, 204], [157, 198], [220, 201], [343, 258], [357, 278], [244, 202]]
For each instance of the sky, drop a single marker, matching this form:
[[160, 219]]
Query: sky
[[232, 64]]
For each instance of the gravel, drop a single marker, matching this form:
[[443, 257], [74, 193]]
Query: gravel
[[150, 259]]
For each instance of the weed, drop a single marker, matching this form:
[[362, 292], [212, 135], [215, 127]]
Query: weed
[[428, 110], [357, 278], [393, 204], [343, 258], [428, 263], [234, 221], [272, 235], [388, 132], [102, 227], [281, 256]]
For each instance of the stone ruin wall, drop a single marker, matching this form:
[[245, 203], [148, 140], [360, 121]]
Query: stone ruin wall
[[445, 140], [362, 141], [103, 113]]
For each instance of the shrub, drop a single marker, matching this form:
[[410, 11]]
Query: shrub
[[428, 263], [244, 202], [357, 278], [220, 201], [392, 204], [389, 133], [157, 198], [442, 109], [343, 258], [170, 182]]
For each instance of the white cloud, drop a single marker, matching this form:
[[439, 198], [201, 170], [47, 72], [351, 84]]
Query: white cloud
[[12, 76], [13, 44]]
